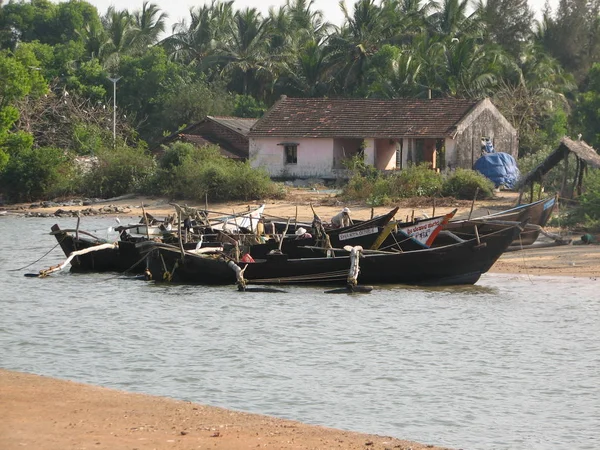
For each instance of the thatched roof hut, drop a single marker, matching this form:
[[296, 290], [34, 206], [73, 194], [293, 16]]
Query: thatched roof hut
[[585, 156]]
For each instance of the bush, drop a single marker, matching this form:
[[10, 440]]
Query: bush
[[38, 173], [192, 173], [119, 171], [370, 185], [416, 181], [587, 213], [463, 183]]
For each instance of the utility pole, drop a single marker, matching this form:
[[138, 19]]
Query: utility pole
[[114, 81]]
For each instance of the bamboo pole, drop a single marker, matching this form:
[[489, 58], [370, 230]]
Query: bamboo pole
[[146, 222], [77, 228], [283, 235], [179, 232], [473, 202]]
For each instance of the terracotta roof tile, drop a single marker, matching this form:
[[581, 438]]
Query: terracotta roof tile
[[362, 118]]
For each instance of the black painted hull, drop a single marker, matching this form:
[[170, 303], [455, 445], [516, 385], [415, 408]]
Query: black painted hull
[[460, 263]]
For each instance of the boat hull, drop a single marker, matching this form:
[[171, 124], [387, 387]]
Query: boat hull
[[460, 263], [537, 213]]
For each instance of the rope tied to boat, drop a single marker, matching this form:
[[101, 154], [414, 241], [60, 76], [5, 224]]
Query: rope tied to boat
[[45, 272]]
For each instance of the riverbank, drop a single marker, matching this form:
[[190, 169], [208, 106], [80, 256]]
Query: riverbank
[[51, 414]]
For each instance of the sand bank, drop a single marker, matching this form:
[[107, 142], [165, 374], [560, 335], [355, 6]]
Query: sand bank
[[45, 413]]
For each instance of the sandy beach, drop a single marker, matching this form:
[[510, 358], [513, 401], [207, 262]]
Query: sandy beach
[[45, 413]]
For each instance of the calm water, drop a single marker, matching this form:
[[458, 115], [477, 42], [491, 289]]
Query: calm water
[[513, 362]]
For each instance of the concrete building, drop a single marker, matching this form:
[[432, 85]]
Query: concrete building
[[312, 138]]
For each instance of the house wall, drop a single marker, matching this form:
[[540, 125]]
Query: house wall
[[484, 121], [369, 144], [385, 154], [315, 157], [402, 156], [344, 149], [451, 153]]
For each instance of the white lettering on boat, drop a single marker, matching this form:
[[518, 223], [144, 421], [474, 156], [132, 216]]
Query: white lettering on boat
[[355, 234]]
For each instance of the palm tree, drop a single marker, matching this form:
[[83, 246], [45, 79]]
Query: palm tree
[[397, 71], [405, 19], [469, 68], [194, 41], [354, 44], [306, 20], [94, 38], [309, 73], [149, 24], [450, 18], [118, 27], [245, 55]]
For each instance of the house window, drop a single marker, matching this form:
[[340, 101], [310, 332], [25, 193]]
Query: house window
[[290, 152]]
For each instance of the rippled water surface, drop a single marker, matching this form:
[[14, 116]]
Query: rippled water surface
[[513, 362]]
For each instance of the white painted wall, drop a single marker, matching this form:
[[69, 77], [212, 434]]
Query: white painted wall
[[315, 157], [369, 151]]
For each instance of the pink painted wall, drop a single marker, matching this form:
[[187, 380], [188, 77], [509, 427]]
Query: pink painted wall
[[344, 149], [315, 157], [385, 154]]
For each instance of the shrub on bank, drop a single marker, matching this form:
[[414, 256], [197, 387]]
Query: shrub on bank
[[587, 213], [38, 173], [417, 181], [118, 171], [193, 173], [463, 183]]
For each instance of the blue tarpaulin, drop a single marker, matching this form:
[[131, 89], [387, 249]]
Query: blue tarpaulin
[[499, 167]]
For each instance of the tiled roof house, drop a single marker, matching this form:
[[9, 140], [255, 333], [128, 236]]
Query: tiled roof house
[[303, 138], [229, 133]]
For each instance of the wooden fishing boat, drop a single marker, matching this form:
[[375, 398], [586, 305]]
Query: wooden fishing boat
[[124, 255], [458, 263], [362, 233], [94, 254], [536, 215]]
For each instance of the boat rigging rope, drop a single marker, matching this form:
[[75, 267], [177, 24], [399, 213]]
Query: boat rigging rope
[[46, 254], [325, 276], [124, 272]]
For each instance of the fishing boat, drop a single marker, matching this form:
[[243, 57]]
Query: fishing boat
[[362, 233], [536, 215], [459, 263], [86, 252]]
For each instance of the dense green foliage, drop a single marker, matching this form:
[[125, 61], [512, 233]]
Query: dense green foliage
[[56, 60], [416, 181], [35, 174], [590, 201], [196, 173], [118, 171], [463, 183]]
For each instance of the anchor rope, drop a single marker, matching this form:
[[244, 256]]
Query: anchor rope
[[340, 274], [38, 260]]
